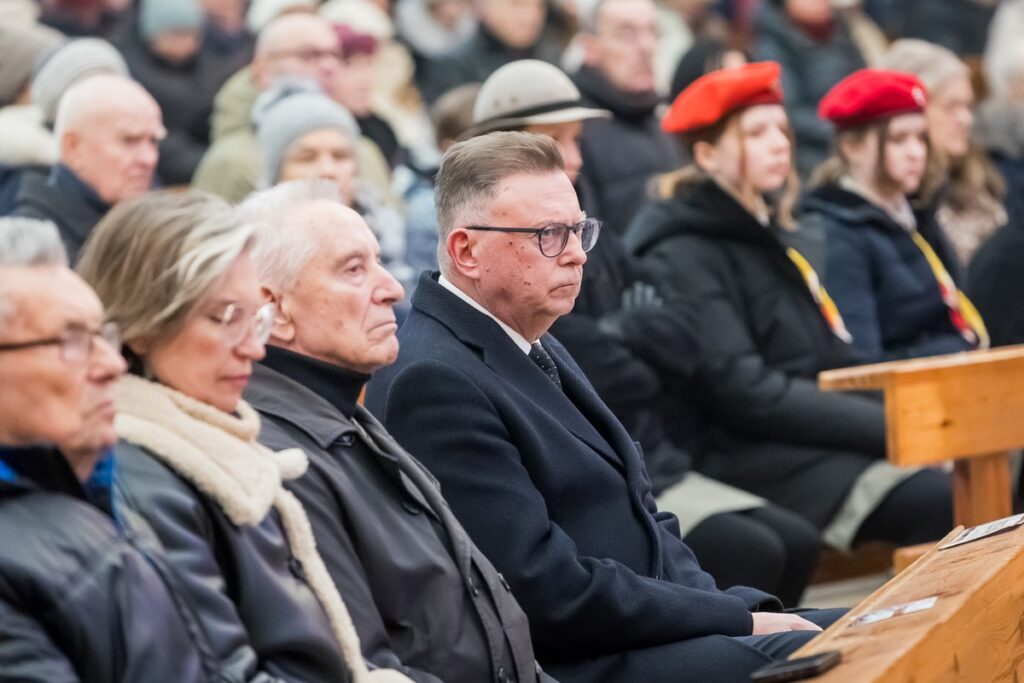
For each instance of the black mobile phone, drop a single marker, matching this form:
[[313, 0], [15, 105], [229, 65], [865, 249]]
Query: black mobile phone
[[797, 669]]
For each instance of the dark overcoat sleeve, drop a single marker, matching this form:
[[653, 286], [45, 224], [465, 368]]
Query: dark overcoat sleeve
[[582, 606]]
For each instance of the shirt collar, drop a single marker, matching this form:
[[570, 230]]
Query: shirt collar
[[519, 339]]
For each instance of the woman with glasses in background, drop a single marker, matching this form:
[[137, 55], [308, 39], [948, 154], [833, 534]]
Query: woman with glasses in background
[[173, 271]]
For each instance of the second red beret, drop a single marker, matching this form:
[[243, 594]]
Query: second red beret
[[870, 95]]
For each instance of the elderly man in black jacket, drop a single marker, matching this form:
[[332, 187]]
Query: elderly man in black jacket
[[424, 599], [122, 619], [536, 467]]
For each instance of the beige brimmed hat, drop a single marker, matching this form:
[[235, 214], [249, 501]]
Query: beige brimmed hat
[[528, 92]]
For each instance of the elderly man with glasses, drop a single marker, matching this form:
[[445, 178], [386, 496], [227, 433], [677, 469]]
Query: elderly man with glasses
[[538, 470], [84, 589]]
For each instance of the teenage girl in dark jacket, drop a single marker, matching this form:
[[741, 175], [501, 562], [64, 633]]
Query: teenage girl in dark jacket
[[767, 327], [890, 269]]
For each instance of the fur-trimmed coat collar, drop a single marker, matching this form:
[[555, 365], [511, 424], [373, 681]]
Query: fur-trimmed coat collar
[[218, 453]]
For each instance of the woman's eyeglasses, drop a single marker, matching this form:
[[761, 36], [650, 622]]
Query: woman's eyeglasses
[[237, 322]]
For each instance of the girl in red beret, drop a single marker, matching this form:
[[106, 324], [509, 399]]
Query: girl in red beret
[[723, 236], [889, 268]]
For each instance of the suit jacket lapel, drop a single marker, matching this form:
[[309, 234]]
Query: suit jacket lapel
[[502, 355]]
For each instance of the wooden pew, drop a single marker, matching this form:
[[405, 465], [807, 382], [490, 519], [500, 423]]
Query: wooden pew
[[973, 634], [966, 407]]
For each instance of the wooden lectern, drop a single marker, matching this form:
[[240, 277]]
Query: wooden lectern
[[966, 407], [973, 634]]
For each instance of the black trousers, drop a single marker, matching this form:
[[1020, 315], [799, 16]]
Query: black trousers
[[918, 510], [768, 548]]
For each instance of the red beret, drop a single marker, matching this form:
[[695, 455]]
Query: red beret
[[871, 94], [713, 96]]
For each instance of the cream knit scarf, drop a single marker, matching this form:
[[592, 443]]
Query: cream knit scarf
[[218, 454]]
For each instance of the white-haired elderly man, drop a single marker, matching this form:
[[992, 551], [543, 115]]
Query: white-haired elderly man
[[423, 598], [59, 524], [108, 130]]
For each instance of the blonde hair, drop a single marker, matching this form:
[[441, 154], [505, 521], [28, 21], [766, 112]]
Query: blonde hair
[[679, 182], [153, 259]]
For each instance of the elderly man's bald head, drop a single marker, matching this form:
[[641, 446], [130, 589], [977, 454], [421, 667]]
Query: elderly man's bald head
[[297, 45], [109, 129]]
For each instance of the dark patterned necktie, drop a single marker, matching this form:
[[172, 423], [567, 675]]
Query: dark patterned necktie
[[545, 362]]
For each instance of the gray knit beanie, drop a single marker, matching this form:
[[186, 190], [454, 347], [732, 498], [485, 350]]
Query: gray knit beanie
[[73, 61], [21, 47], [290, 110], [157, 16]]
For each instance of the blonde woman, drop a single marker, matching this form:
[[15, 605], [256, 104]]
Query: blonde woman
[[174, 272]]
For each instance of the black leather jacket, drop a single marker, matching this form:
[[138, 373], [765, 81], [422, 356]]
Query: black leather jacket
[[85, 593], [251, 595]]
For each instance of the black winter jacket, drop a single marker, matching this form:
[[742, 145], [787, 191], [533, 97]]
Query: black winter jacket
[[995, 280], [880, 279], [423, 598], [763, 342], [621, 154], [250, 592], [85, 593]]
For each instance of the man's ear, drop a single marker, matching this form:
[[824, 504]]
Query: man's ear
[[462, 252], [283, 327], [70, 142]]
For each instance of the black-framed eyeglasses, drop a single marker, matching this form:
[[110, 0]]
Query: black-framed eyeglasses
[[76, 343], [553, 238]]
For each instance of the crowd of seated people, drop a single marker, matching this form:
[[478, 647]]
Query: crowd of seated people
[[467, 340]]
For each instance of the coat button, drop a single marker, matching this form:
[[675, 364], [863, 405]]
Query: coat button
[[296, 568], [411, 507], [502, 676], [504, 582], [347, 439], [473, 589]]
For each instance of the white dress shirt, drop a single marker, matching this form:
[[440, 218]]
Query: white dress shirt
[[519, 339]]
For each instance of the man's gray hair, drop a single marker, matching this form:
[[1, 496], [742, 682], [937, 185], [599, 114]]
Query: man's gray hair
[[30, 242], [472, 170], [26, 242], [283, 243]]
